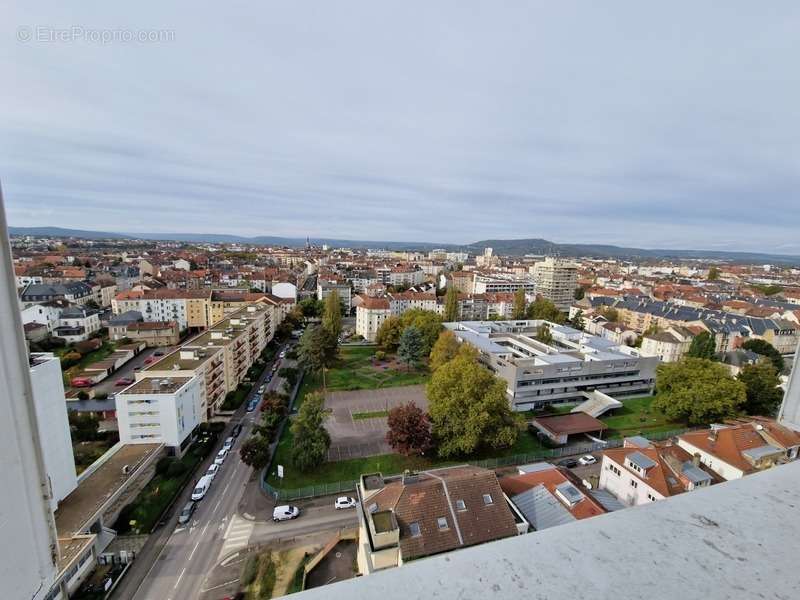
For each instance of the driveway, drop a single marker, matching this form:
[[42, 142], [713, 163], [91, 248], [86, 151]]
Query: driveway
[[108, 385], [356, 434]]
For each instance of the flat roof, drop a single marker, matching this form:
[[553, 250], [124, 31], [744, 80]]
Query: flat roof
[[570, 423], [156, 385], [70, 548], [92, 493]]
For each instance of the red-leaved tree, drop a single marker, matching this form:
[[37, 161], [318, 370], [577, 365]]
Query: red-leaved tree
[[409, 430]]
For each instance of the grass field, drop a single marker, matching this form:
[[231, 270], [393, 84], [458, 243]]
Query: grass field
[[638, 417], [370, 415]]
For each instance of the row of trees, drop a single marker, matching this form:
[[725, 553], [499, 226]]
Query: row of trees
[[704, 346], [467, 407]]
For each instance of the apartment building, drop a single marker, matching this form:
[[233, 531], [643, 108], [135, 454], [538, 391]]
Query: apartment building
[[641, 472], [742, 448], [370, 315], [164, 410], [220, 356], [669, 345], [77, 292], [189, 308], [567, 369], [77, 323], [324, 289], [556, 279], [502, 283], [154, 334], [421, 514]]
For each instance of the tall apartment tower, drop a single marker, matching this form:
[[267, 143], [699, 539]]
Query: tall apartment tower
[[29, 553], [556, 279]]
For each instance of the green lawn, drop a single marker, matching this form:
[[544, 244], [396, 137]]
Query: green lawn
[[638, 417], [354, 370], [370, 415]]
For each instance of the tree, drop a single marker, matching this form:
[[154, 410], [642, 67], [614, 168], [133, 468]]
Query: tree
[[577, 321], [310, 307], [317, 348], [761, 384], [410, 348], [255, 452], [91, 303], [451, 305], [713, 274], [764, 348], [409, 430], [85, 427], [289, 374], [428, 323], [542, 308], [444, 350], [579, 293], [332, 315], [388, 335], [610, 313], [311, 439], [518, 311], [697, 391], [543, 334], [702, 346], [468, 408]]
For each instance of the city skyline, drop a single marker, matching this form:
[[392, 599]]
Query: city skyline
[[645, 133]]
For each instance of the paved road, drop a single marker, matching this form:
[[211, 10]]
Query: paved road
[[192, 551], [108, 385]]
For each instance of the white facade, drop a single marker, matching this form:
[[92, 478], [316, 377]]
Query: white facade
[[484, 284], [285, 289], [29, 552], [628, 488], [43, 314], [51, 416], [369, 319], [556, 280], [160, 410]]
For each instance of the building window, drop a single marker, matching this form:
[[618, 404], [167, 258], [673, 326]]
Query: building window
[[460, 505], [415, 530], [651, 497], [487, 499], [634, 483], [442, 523]]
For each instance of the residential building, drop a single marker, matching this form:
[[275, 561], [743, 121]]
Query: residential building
[[77, 292], [77, 323], [502, 283], [324, 289], [568, 369], [420, 514], [45, 313], [639, 474], [547, 496], [556, 279], [742, 448], [118, 324], [160, 410], [370, 315], [669, 345], [154, 334], [189, 308]]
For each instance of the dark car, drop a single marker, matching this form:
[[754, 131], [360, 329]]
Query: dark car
[[158, 353], [237, 429], [186, 513], [570, 463]]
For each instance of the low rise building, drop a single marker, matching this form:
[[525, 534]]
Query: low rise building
[[154, 334], [77, 323], [370, 315], [566, 369]]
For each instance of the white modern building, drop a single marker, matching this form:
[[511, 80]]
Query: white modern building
[[51, 416], [502, 282], [77, 324], [370, 315], [160, 410], [567, 368]]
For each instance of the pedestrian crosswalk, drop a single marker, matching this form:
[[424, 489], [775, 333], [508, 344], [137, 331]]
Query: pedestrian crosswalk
[[237, 535]]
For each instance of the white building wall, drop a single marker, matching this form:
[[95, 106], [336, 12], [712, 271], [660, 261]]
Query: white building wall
[[51, 415], [28, 552], [721, 468], [285, 290], [627, 487]]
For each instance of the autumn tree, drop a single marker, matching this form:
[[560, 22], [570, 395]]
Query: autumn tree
[[761, 386], [468, 408], [388, 335], [317, 348], [702, 346], [451, 305], [310, 438], [409, 430], [255, 452], [444, 350], [713, 274], [543, 334], [518, 310], [698, 391], [577, 321]]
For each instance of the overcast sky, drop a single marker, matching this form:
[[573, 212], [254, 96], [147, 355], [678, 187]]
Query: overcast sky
[[672, 124]]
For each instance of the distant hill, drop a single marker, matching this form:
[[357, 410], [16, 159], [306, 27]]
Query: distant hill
[[521, 247]]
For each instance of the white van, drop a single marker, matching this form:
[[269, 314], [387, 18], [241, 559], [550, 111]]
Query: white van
[[202, 487]]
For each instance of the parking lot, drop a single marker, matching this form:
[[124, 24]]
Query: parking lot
[[354, 433]]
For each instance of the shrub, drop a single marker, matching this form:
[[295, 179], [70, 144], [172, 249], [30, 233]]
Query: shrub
[[176, 469], [380, 355], [249, 570], [163, 465]]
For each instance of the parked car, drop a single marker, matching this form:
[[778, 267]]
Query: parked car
[[213, 469], [202, 487], [228, 443], [124, 381], [284, 513], [269, 377], [282, 354], [150, 360], [158, 353], [344, 502], [251, 406], [587, 460], [262, 389], [237, 429], [80, 382], [570, 463], [187, 512], [221, 456]]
